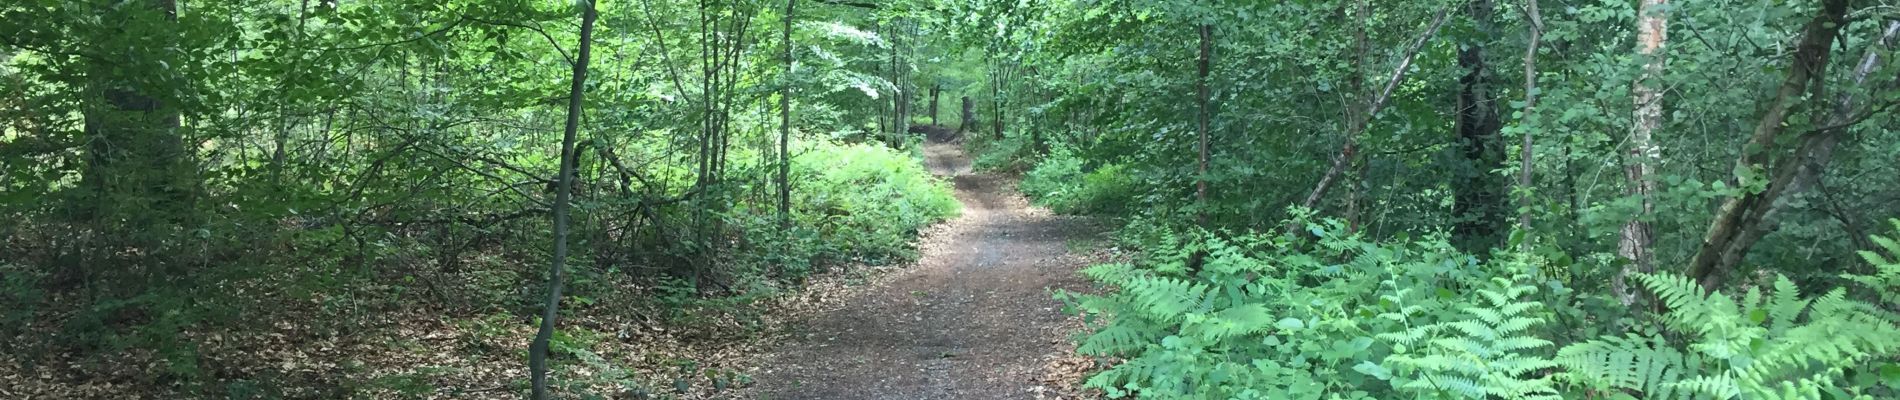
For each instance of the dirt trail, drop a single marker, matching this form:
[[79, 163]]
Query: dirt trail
[[973, 320]]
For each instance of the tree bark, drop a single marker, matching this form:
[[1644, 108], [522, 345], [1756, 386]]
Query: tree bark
[[1527, 121], [564, 194], [135, 155], [900, 118], [969, 116], [997, 80], [1634, 238], [1200, 175], [1357, 125], [785, 124], [1479, 202], [935, 91], [1744, 219]]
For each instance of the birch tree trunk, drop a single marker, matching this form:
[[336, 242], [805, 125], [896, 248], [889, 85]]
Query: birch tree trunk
[[1634, 239]]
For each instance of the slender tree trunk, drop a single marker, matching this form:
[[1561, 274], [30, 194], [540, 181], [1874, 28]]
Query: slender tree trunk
[[785, 125], [900, 120], [564, 193], [997, 80], [278, 152], [1357, 125], [1635, 241], [1200, 87], [1528, 122], [1744, 219]]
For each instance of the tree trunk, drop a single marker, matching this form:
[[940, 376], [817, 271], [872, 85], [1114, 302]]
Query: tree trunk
[[135, 156], [564, 193], [935, 91], [1200, 86], [1479, 203], [996, 98], [1744, 219], [1635, 239], [785, 125], [900, 118], [1357, 125], [1527, 122], [969, 116]]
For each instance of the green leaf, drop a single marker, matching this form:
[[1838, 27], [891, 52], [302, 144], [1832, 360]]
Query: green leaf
[[1290, 324], [1374, 370]]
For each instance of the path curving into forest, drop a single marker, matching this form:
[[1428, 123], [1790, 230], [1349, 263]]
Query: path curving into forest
[[972, 320]]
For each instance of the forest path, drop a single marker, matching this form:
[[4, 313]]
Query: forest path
[[972, 320]]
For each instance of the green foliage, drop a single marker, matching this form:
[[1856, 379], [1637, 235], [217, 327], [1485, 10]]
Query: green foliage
[[1489, 351], [1336, 316], [336, 163], [1059, 182], [1771, 346], [867, 202], [1008, 154], [1885, 279]]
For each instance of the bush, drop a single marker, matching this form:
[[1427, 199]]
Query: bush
[[866, 201], [1060, 183], [1009, 154]]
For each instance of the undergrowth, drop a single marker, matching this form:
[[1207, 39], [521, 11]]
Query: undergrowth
[[1333, 315], [210, 332], [1065, 184]]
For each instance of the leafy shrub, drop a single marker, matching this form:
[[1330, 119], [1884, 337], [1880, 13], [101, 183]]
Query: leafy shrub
[[867, 201], [1007, 154], [1060, 183]]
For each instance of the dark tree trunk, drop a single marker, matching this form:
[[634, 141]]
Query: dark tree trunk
[[1200, 86], [564, 193], [999, 76], [900, 100], [1479, 203], [969, 116], [785, 126], [136, 158], [936, 90]]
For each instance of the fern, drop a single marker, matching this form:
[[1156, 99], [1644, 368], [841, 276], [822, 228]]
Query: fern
[[1766, 346], [1643, 364], [1885, 281], [1489, 354]]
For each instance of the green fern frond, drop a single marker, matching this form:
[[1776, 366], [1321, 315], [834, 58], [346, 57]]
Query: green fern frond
[[1710, 387], [1165, 298]]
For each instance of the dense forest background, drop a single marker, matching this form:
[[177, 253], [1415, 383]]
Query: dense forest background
[[1333, 198]]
